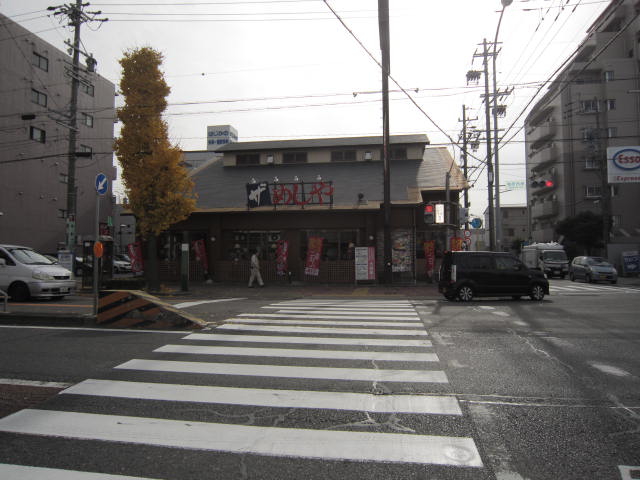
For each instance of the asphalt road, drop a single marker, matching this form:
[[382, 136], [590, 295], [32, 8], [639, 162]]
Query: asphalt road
[[493, 389]]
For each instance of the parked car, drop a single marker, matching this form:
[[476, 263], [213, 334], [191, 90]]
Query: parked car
[[121, 263], [25, 273], [592, 269], [465, 275]]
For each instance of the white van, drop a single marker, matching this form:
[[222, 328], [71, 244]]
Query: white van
[[25, 273]]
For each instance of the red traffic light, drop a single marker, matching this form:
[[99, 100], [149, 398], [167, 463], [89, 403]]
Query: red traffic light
[[428, 209], [548, 183]]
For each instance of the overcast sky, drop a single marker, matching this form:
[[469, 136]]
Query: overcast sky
[[281, 69]]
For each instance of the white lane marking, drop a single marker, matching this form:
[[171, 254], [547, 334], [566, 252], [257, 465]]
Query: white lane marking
[[275, 321], [365, 303], [23, 472], [610, 369], [293, 353], [202, 302], [418, 404], [270, 441], [325, 330], [348, 312], [280, 371], [337, 316], [378, 342], [346, 308], [501, 314], [33, 383]]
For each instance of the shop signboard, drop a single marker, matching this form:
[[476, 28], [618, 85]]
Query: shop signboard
[[456, 244], [201, 254], [631, 262], [365, 261], [401, 258], [314, 253], [430, 256], [623, 164]]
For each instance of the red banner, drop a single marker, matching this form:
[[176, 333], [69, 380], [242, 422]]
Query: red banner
[[282, 257], [201, 254], [430, 256], [456, 244], [135, 254], [314, 252]]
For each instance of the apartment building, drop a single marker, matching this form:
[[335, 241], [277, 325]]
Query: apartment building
[[593, 104], [35, 93]]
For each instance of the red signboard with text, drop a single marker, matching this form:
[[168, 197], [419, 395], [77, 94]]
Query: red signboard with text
[[314, 252]]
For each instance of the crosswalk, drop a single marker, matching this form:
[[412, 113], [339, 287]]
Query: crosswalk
[[297, 385], [571, 288]]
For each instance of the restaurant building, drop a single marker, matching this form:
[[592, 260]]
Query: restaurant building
[[310, 206]]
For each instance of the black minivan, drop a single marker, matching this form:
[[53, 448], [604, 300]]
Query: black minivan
[[464, 275]]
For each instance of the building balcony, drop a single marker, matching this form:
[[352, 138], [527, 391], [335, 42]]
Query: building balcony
[[540, 159], [545, 209], [542, 133]]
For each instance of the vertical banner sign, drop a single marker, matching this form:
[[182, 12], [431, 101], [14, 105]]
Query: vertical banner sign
[[314, 252], [201, 254], [456, 244], [402, 260], [430, 256], [135, 254], [365, 263], [282, 257], [258, 194]]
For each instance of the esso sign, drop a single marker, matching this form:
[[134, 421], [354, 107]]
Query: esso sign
[[627, 159]]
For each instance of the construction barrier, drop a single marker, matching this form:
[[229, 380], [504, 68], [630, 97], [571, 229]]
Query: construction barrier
[[137, 309]]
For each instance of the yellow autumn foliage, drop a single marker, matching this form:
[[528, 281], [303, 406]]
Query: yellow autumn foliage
[[157, 186]]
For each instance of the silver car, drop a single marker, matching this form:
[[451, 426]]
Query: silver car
[[592, 269]]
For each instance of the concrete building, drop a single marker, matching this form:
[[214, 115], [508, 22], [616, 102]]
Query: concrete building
[[593, 104], [262, 194], [515, 226], [35, 92]]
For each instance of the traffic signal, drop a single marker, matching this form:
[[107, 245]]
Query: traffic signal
[[429, 214], [542, 183]]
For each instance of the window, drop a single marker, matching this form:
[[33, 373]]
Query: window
[[239, 244], [506, 263], [590, 163], [511, 232], [62, 213], [87, 119], [478, 262], [609, 76], [248, 159], [63, 177], [38, 97], [87, 88], [610, 104], [343, 156], [612, 132], [336, 244], [592, 191], [40, 61], [398, 154], [589, 134], [294, 157], [37, 134], [589, 106], [614, 190]]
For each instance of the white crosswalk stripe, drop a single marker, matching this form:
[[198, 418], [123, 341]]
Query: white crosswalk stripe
[[589, 289], [207, 366]]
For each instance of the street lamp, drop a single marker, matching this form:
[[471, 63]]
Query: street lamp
[[496, 163]]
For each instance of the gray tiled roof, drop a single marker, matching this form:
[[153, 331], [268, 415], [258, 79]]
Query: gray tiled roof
[[220, 187], [321, 143]]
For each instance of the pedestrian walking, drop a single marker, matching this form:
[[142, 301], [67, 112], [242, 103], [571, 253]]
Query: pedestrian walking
[[255, 270]]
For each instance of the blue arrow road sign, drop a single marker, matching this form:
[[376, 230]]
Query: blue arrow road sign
[[102, 183]]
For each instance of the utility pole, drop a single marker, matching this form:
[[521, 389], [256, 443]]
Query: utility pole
[[76, 16], [465, 141], [487, 113], [383, 23]]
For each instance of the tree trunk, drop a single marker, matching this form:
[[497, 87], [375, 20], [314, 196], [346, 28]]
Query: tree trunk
[[151, 270]]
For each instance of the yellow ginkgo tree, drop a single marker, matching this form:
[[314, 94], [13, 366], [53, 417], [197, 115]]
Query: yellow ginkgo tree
[[157, 186]]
